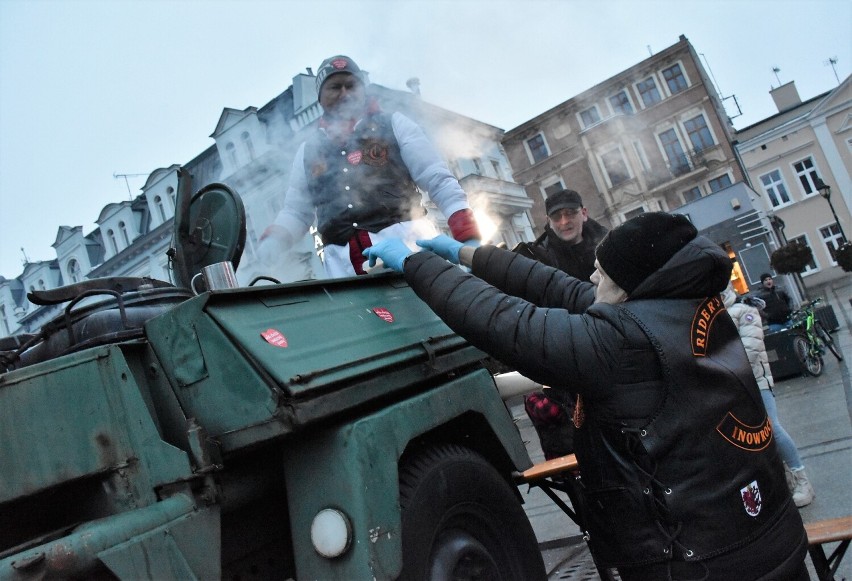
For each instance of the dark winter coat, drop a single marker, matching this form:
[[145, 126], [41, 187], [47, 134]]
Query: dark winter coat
[[778, 303], [674, 446], [578, 260]]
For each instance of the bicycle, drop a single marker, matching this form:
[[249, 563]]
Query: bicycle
[[814, 338]]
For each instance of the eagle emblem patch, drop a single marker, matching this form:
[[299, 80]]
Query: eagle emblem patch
[[752, 502]]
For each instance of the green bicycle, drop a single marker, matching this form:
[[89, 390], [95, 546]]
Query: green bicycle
[[813, 339]]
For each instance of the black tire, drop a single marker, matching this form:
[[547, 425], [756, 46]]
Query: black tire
[[811, 364], [828, 341], [462, 520]]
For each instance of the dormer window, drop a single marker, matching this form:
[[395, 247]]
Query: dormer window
[[125, 238], [170, 191], [247, 142], [231, 152], [158, 202], [111, 239], [74, 271]]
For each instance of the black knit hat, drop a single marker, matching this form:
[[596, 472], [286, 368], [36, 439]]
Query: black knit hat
[[561, 200], [337, 64], [636, 249]]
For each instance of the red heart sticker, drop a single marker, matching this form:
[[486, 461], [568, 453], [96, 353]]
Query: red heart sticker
[[355, 157], [274, 337], [383, 314]]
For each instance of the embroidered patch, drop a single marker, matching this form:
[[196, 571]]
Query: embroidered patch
[[318, 168], [340, 63], [274, 337], [705, 314], [752, 502], [383, 314], [749, 317], [355, 157], [375, 152], [743, 436]]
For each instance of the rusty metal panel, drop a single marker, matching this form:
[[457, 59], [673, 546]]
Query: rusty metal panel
[[79, 416]]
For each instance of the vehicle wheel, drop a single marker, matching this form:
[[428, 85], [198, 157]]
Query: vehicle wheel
[[462, 521], [828, 341], [812, 363]]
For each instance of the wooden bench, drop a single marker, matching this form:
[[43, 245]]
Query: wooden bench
[[550, 468], [828, 531]]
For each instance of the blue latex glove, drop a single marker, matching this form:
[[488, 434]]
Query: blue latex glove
[[444, 246], [392, 252]]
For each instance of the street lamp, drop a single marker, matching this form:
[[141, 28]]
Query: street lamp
[[825, 192]]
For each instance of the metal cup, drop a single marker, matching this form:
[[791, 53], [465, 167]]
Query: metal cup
[[217, 276]]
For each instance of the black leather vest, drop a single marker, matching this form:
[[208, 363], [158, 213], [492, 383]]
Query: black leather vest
[[701, 476], [362, 184]]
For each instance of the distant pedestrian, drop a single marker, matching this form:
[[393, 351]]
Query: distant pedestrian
[[779, 305], [745, 313]]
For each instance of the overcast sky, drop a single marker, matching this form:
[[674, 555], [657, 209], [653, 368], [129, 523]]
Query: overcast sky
[[90, 89]]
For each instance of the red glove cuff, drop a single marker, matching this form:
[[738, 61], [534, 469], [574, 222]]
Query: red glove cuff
[[463, 226]]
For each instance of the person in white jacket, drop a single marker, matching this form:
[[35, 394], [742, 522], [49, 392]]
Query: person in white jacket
[[746, 315], [360, 176]]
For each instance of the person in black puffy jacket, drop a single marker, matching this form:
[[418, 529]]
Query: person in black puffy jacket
[[681, 477]]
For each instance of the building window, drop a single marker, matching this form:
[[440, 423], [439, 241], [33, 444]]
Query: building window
[[124, 237], [633, 213], [170, 191], [231, 152], [158, 203], [719, 183], [775, 189], [553, 188], [806, 172], [674, 152], [620, 104], [538, 148], [674, 79], [477, 167], [699, 133], [648, 91], [615, 167], [75, 273], [590, 116], [832, 239], [249, 145], [498, 170], [811, 266], [692, 194], [112, 242]]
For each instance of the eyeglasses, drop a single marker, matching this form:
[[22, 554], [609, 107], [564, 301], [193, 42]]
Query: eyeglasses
[[564, 213]]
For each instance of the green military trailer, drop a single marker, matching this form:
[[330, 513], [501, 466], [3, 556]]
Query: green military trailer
[[332, 429]]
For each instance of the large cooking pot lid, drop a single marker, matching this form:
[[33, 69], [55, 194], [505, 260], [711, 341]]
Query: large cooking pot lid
[[209, 228]]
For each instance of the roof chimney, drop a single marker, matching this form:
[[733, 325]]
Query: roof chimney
[[413, 85], [786, 96]]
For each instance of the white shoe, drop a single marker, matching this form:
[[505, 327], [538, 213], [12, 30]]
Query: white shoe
[[803, 493]]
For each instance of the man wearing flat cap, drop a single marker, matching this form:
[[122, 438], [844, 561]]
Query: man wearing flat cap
[[681, 477], [360, 176]]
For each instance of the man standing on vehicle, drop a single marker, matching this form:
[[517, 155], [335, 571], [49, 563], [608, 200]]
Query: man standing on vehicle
[[778, 304], [568, 243], [359, 176]]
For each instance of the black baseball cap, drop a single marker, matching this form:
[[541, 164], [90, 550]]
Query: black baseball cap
[[561, 200]]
